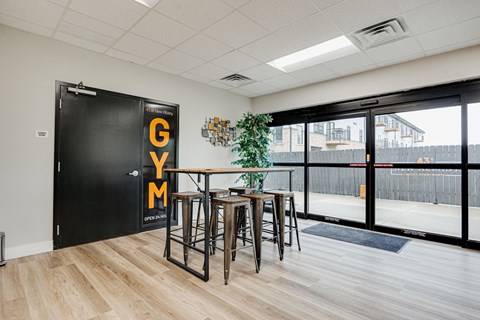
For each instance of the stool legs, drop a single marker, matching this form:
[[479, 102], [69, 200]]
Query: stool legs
[[280, 202], [292, 209], [230, 218], [187, 209]]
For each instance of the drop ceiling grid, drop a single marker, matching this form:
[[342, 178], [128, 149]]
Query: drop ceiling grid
[[120, 13], [209, 39]]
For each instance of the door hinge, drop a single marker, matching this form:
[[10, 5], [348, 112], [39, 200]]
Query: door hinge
[[60, 105], [58, 229], [58, 166]]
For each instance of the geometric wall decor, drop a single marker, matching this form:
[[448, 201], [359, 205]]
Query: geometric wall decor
[[219, 132]]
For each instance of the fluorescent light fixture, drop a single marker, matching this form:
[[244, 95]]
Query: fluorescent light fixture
[[325, 51], [148, 3]]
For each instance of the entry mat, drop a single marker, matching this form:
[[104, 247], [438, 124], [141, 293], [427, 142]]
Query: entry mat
[[358, 236]]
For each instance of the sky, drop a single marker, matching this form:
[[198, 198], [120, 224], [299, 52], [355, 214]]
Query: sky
[[443, 126]]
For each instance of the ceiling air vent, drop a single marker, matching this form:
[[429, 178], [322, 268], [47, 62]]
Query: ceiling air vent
[[381, 33], [236, 80]]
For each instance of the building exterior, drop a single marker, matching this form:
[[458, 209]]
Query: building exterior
[[392, 131]]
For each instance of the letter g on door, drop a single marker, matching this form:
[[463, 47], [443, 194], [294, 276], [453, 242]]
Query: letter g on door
[[165, 135]]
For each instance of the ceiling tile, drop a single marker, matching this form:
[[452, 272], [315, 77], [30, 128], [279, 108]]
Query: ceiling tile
[[454, 47], [126, 56], [314, 74], [242, 92], [204, 47], [235, 3], [283, 81], [210, 71], [350, 63], [440, 14], [275, 14], [353, 15], [258, 87], [80, 42], [140, 46], [25, 26], [408, 5], [62, 3], [162, 29], [219, 85], [120, 13], [464, 32], [178, 60], [193, 13], [236, 61], [310, 31], [262, 72], [91, 24], [165, 68], [236, 30], [324, 4], [195, 77], [43, 13], [395, 51], [82, 33], [269, 48]]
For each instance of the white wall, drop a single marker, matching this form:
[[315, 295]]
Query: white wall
[[29, 66], [443, 68]]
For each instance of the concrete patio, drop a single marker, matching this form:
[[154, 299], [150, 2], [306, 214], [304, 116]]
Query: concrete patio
[[428, 217]]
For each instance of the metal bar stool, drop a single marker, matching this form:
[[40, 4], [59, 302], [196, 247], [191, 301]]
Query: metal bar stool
[[238, 191], [258, 203], [214, 212], [281, 198], [230, 204], [187, 199]]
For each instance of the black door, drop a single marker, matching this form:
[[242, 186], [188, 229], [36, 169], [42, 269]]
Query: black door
[[99, 147]]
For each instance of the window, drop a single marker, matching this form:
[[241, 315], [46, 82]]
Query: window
[[360, 135], [318, 128], [300, 134], [277, 134]]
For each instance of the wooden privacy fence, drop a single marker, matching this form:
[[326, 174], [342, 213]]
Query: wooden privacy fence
[[442, 186]]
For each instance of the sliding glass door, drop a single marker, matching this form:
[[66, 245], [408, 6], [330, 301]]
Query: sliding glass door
[[337, 169], [474, 172], [417, 170], [406, 163]]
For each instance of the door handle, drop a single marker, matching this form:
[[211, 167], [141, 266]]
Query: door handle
[[134, 173]]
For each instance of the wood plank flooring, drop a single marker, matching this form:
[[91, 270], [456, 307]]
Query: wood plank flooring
[[127, 278]]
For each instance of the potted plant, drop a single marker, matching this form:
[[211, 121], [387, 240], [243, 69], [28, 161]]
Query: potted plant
[[252, 145]]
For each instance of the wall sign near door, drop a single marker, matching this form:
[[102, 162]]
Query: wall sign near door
[[159, 153]]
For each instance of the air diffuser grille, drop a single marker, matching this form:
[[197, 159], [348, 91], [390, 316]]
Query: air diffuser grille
[[236, 80], [381, 33]]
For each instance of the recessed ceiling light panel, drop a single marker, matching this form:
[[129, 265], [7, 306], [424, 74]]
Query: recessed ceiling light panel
[[323, 52]]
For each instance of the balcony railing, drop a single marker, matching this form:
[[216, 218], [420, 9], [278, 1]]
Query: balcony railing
[[338, 136]]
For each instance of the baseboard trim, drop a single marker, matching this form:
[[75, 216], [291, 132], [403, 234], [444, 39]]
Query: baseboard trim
[[28, 249]]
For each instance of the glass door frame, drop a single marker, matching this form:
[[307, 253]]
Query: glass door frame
[[308, 165], [468, 92], [429, 104]]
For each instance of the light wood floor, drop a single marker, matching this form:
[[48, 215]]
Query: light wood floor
[[127, 278]]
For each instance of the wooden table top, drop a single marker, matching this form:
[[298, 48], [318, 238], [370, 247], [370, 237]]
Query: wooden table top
[[227, 170]]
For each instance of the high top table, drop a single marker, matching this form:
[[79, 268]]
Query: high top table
[[207, 173]]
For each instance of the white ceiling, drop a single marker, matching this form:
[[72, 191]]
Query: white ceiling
[[206, 40]]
